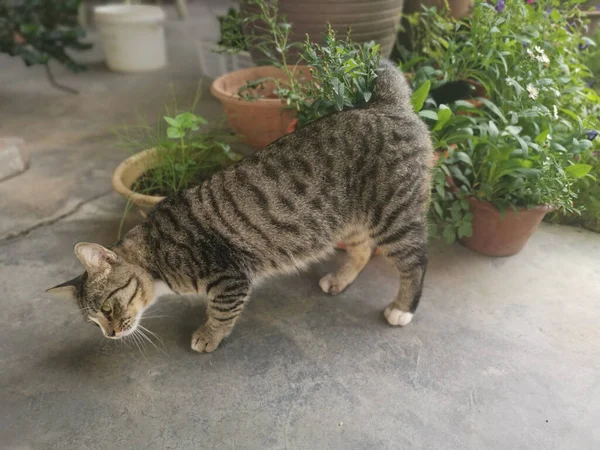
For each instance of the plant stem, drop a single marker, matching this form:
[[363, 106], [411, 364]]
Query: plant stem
[[57, 85]]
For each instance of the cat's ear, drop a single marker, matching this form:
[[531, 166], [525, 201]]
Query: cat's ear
[[94, 257], [68, 288]]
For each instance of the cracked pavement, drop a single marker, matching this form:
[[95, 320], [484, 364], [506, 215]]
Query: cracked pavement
[[502, 353]]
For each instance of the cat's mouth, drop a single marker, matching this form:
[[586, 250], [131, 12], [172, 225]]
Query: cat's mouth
[[127, 327]]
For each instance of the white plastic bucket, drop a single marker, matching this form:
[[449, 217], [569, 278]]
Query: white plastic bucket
[[133, 36]]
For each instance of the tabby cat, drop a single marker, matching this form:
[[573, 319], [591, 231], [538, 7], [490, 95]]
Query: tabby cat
[[360, 176]]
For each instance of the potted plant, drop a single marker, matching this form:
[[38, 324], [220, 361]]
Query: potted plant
[[41, 32], [589, 189], [171, 160], [263, 103], [230, 53], [524, 154]]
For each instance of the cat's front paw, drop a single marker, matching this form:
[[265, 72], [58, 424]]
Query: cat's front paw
[[205, 340], [332, 284]]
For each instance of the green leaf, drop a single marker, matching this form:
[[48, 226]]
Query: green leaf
[[492, 107], [171, 121], [420, 95], [578, 170], [428, 114], [465, 229], [541, 138], [513, 130], [493, 129], [462, 156], [444, 115], [456, 173], [438, 210], [456, 211], [555, 15], [449, 234], [174, 133]]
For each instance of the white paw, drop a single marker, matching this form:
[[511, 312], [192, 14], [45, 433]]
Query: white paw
[[331, 285], [396, 317]]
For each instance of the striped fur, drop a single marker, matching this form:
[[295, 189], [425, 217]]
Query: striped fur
[[359, 176]]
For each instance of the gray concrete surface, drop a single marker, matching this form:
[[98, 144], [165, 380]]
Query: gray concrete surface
[[503, 353]]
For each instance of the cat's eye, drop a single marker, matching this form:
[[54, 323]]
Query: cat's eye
[[106, 308]]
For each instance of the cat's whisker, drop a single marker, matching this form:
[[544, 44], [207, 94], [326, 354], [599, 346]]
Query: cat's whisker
[[135, 341], [145, 337], [152, 333], [158, 317], [162, 347], [142, 339]]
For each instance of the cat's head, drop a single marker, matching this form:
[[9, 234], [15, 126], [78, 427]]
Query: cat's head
[[111, 293]]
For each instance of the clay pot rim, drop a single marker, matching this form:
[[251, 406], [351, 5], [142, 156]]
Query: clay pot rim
[[140, 162], [224, 95]]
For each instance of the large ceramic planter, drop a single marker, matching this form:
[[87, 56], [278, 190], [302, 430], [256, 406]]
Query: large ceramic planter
[[128, 172], [502, 234], [594, 17], [373, 20], [260, 121]]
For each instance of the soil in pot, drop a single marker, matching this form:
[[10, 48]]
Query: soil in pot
[[502, 234], [258, 121]]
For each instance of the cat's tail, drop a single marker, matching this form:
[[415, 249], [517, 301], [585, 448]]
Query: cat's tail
[[391, 88]]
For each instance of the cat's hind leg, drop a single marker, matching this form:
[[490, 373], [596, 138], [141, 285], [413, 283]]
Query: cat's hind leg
[[359, 248], [406, 248]]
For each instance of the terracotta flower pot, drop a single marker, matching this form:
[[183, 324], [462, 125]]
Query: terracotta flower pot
[[373, 20], [261, 121], [497, 234], [129, 171]]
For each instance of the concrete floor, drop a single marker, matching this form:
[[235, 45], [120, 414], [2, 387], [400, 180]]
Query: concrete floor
[[503, 353]]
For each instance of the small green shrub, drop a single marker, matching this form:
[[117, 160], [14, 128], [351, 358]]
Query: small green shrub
[[188, 152], [342, 72]]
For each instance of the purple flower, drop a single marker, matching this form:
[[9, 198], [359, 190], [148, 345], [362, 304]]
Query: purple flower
[[500, 6], [590, 83], [591, 135]]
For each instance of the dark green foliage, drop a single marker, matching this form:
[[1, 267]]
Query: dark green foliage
[[39, 31], [343, 76], [232, 34]]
